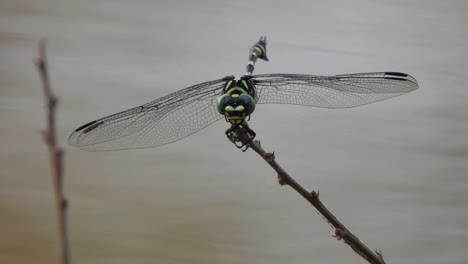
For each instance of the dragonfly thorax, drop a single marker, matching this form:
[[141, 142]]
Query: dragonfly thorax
[[238, 100]]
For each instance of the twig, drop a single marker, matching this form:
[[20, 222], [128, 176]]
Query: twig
[[55, 152], [341, 232]]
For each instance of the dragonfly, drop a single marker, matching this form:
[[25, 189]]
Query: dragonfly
[[234, 98]]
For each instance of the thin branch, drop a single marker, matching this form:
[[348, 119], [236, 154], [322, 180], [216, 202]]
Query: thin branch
[[242, 136], [55, 152], [341, 232]]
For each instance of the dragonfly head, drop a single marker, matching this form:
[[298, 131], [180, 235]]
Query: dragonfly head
[[236, 107], [238, 101]]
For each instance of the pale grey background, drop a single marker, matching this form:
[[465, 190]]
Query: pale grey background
[[395, 172]]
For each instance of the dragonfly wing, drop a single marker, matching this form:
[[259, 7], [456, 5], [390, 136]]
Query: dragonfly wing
[[339, 91], [165, 120]]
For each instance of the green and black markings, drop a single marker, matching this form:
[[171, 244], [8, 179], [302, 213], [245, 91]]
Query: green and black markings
[[186, 111], [240, 95], [257, 51]]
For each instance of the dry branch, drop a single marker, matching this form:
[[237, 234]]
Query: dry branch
[[242, 136], [341, 232], [55, 152]]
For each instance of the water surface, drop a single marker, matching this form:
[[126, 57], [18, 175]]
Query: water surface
[[394, 172]]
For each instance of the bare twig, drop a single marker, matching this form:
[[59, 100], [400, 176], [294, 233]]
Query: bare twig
[[55, 152], [341, 232]]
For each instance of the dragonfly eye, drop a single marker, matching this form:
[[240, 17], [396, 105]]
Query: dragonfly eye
[[248, 102], [223, 101]]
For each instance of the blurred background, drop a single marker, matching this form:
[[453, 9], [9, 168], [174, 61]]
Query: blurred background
[[395, 172]]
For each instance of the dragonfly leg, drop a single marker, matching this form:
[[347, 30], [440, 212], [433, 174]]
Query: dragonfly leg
[[241, 135]]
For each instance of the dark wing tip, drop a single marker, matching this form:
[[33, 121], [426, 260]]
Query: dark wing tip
[[84, 129], [400, 76], [88, 127]]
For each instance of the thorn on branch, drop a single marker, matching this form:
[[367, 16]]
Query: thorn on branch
[[281, 180], [270, 156], [40, 63], [315, 194], [53, 101], [64, 204], [379, 253], [339, 234]]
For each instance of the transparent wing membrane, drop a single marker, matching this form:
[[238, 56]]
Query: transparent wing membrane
[[157, 123], [339, 91], [189, 110]]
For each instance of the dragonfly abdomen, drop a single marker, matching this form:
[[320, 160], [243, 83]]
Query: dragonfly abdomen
[[257, 51]]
